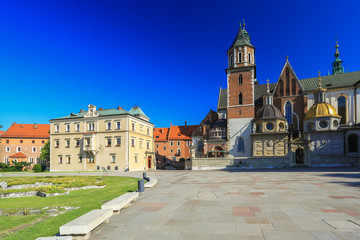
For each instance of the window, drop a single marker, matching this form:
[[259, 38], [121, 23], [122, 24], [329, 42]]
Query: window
[[18, 149], [281, 85], [187, 143], [293, 87], [171, 143], [287, 82], [178, 143], [68, 159], [118, 141], [270, 126], [37, 160], [7, 149], [288, 112], [77, 127], [34, 149], [133, 142], [108, 168], [118, 125], [31, 160], [88, 142], [231, 60], [6, 160], [164, 148], [91, 126], [7, 141], [108, 126], [67, 142], [116, 168], [33, 141], [67, 127], [336, 123], [57, 143], [60, 159], [42, 141], [342, 109], [133, 126], [77, 142], [108, 141], [240, 79], [148, 131], [240, 99], [113, 158], [240, 56], [140, 143], [21, 141], [141, 127], [323, 124], [241, 145], [178, 151], [57, 128], [249, 57], [136, 158], [147, 145], [171, 150], [157, 145]]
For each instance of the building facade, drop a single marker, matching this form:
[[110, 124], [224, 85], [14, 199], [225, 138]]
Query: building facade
[[111, 139], [173, 144], [23, 142]]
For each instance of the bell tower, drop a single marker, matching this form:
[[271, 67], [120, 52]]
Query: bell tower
[[241, 75]]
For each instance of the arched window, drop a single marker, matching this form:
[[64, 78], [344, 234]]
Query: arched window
[[293, 86], [240, 56], [231, 60], [288, 112], [240, 79], [249, 57], [287, 82], [240, 99], [342, 109], [353, 143], [241, 145], [281, 88]]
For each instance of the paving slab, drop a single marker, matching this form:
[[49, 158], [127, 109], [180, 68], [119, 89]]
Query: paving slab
[[304, 204]]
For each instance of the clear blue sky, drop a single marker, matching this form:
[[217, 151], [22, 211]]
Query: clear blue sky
[[56, 57]]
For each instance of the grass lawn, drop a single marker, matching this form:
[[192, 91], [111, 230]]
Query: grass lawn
[[42, 225]]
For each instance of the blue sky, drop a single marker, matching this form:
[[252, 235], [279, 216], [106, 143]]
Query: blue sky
[[168, 57]]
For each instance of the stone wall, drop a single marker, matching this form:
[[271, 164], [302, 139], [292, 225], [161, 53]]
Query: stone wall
[[334, 161]]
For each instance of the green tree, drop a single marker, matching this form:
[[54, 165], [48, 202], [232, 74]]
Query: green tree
[[45, 154]]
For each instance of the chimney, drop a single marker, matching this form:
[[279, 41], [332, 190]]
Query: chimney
[[81, 110], [35, 125], [101, 109], [13, 123], [119, 108], [22, 125], [185, 126]]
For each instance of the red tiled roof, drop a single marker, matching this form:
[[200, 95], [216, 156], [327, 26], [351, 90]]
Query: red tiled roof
[[18, 155], [160, 134], [1, 132], [181, 132], [27, 131]]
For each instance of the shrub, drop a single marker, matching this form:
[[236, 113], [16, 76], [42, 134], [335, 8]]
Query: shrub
[[38, 168], [182, 159]]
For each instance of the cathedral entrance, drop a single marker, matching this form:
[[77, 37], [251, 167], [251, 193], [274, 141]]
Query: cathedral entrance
[[299, 156]]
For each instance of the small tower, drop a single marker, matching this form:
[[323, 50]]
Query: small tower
[[337, 64]]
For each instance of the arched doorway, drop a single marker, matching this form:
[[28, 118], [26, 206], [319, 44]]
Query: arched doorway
[[353, 143], [218, 151], [299, 156]]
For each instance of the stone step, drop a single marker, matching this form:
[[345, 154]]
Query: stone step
[[151, 183]]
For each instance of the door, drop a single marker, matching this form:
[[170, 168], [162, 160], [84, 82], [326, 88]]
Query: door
[[299, 156], [149, 162]]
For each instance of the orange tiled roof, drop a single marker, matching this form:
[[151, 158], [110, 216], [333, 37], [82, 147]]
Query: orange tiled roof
[[27, 131], [160, 134], [1, 132], [181, 132], [18, 155]]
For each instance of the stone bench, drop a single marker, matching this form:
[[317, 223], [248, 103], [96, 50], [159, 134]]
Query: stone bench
[[83, 225], [56, 238], [120, 202], [151, 183]]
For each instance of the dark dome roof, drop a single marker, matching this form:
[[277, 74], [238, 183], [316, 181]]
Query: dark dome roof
[[269, 112]]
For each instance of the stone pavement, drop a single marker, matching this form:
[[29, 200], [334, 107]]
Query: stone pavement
[[291, 204]]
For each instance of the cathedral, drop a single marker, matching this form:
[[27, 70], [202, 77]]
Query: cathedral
[[313, 122]]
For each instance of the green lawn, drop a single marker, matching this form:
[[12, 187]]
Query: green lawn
[[33, 226]]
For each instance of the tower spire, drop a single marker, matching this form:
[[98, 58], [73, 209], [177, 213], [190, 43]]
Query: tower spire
[[337, 64]]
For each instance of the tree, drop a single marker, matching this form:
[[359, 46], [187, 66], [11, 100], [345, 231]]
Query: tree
[[45, 154]]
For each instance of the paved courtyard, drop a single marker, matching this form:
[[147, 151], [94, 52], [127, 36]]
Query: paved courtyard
[[302, 204]]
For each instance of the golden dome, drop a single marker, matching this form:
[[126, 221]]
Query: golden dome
[[321, 109]]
